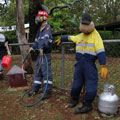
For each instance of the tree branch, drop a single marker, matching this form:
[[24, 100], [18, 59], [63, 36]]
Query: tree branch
[[45, 8], [65, 6]]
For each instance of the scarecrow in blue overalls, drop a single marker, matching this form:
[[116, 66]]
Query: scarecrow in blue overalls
[[43, 43], [89, 47]]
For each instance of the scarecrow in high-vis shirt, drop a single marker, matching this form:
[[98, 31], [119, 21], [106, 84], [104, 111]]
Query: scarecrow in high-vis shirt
[[89, 47]]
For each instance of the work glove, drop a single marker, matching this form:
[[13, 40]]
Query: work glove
[[104, 72], [30, 49], [58, 41]]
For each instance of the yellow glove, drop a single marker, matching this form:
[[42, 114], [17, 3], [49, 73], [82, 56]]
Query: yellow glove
[[58, 41], [104, 71]]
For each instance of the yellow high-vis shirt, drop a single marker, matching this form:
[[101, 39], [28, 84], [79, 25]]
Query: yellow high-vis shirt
[[88, 43]]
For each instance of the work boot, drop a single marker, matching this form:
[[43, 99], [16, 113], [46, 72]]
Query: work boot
[[31, 93], [46, 96], [72, 103], [87, 106]]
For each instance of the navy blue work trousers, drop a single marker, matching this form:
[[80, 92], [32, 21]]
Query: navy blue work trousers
[[40, 75], [85, 73]]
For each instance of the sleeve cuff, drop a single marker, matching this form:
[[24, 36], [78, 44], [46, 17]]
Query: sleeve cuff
[[65, 39], [102, 58]]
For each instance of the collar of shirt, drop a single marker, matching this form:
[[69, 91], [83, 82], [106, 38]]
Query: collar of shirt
[[43, 25]]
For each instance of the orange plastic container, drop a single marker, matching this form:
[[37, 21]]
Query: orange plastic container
[[6, 61]]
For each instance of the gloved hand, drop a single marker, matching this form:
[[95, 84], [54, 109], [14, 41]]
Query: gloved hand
[[104, 71], [30, 49], [58, 41]]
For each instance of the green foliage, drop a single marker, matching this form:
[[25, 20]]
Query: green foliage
[[11, 37], [106, 35], [63, 19], [112, 49], [2, 9], [9, 18], [71, 16], [68, 19], [104, 11]]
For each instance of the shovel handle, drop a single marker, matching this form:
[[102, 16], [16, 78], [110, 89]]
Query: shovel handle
[[25, 57]]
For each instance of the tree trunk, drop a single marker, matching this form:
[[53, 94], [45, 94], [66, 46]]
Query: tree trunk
[[21, 33], [35, 6]]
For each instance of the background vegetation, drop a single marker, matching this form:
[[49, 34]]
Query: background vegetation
[[68, 19]]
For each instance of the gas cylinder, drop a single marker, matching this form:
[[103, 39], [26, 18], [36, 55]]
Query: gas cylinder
[[108, 101]]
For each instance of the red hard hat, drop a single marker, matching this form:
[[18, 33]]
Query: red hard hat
[[43, 13]]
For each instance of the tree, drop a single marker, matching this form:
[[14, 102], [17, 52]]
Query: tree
[[34, 6], [21, 32], [105, 11]]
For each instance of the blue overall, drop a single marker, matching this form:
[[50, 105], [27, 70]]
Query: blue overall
[[85, 73], [41, 73], [43, 40], [89, 47]]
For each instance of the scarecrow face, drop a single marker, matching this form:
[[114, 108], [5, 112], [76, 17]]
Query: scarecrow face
[[86, 24], [39, 19], [87, 28], [41, 16]]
